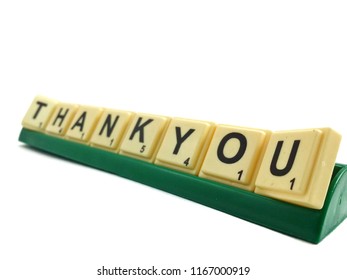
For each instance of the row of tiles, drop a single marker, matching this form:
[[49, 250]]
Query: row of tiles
[[293, 166]]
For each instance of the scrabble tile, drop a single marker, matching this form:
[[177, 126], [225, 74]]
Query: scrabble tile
[[39, 113], [185, 145], [110, 129], [144, 136], [83, 123], [297, 166], [61, 118], [234, 155]]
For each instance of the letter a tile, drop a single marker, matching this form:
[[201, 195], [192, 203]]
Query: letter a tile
[[297, 166], [83, 123]]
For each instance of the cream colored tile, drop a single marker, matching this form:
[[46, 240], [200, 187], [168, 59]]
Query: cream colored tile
[[297, 166], [83, 123], [39, 113], [234, 155], [61, 118], [144, 136], [185, 145], [110, 129]]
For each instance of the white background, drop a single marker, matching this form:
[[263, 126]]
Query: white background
[[276, 65]]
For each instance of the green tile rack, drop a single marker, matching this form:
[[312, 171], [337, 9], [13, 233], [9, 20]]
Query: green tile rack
[[303, 223]]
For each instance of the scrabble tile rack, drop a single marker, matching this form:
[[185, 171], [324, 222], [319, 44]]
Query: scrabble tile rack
[[304, 223]]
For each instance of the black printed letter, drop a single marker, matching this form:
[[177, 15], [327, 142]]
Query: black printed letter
[[41, 104], [61, 116], [243, 145], [273, 167], [109, 127], [80, 121], [139, 128], [181, 139]]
